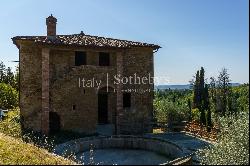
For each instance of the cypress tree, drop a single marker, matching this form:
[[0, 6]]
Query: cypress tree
[[223, 86], [190, 109], [199, 94], [2, 72], [207, 108], [202, 83], [202, 97], [196, 90]]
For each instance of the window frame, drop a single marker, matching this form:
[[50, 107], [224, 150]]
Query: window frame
[[81, 60], [74, 107], [126, 100], [104, 59]]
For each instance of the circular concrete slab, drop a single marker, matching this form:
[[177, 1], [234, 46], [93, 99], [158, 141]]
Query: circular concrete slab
[[122, 157]]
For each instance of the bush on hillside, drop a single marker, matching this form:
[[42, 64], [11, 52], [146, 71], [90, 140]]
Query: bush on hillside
[[166, 111], [8, 96], [11, 125], [233, 143]]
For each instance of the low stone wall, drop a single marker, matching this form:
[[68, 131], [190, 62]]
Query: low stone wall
[[123, 142], [186, 160]]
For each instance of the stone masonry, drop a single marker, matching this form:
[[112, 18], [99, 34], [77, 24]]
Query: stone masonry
[[52, 94]]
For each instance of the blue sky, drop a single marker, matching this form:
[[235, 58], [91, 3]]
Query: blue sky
[[192, 33]]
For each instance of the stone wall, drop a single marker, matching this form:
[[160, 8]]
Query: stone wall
[[30, 85], [135, 120], [64, 90], [138, 61], [160, 146]]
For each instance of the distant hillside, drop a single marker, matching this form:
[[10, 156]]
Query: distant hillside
[[235, 84], [182, 87], [162, 87]]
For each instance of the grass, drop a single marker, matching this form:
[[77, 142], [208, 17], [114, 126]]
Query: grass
[[158, 130], [15, 151], [11, 126], [17, 147]]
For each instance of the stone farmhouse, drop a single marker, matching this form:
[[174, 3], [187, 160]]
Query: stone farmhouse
[[85, 83]]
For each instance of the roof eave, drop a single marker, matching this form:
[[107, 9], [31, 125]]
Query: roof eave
[[155, 47], [17, 41], [14, 40]]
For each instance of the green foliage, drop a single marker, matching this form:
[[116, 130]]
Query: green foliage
[[228, 100], [202, 117], [173, 95], [9, 77], [209, 120], [189, 109], [201, 98], [8, 96], [205, 108], [11, 125], [241, 97], [196, 87], [233, 144], [166, 109], [2, 72], [9, 86], [160, 110], [223, 91], [196, 114], [17, 77]]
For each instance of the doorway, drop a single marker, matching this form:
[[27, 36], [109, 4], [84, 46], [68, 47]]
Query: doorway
[[54, 122], [102, 108]]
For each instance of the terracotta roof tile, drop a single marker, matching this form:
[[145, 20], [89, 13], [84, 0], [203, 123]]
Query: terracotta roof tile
[[84, 40]]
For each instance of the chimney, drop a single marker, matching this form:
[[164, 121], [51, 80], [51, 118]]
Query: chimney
[[51, 25]]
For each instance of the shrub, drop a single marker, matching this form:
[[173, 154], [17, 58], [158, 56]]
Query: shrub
[[8, 96], [196, 114], [242, 92], [11, 125], [233, 142], [166, 111]]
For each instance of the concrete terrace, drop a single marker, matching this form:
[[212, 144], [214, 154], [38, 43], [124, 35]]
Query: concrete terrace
[[190, 144]]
